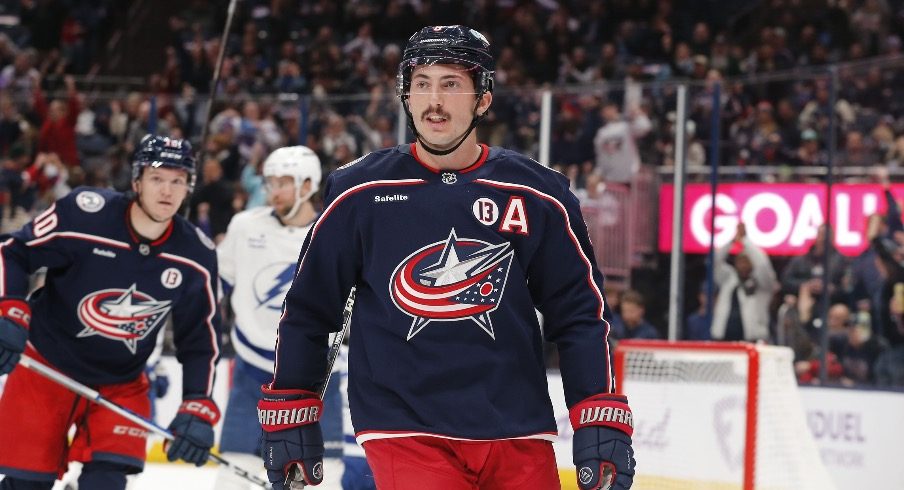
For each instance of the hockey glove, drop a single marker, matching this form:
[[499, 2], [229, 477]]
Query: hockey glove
[[290, 419], [603, 457], [15, 316], [193, 431]]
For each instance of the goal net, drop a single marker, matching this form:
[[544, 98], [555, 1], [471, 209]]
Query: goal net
[[717, 416]]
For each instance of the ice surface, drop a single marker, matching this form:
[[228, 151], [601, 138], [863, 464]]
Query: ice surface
[[178, 476]]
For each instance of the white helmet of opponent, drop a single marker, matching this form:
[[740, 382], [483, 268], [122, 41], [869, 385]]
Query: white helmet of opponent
[[300, 163]]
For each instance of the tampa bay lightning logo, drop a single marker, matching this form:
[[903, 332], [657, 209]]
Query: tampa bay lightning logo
[[452, 280], [271, 284], [121, 314]]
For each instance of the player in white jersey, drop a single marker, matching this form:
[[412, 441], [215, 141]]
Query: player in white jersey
[[257, 262]]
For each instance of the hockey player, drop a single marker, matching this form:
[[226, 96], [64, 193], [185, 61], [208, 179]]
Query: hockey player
[[118, 266], [451, 245], [257, 261]]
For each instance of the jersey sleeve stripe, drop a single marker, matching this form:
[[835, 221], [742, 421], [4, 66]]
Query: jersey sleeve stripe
[[77, 236], [212, 304], [574, 239], [3, 266], [364, 436]]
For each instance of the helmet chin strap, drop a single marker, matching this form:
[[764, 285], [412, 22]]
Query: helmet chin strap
[[299, 200], [474, 120]]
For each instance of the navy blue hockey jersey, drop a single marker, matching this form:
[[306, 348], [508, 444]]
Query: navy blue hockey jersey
[[449, 267], [107, 294]]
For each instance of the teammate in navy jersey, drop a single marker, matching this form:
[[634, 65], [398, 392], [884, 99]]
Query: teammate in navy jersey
[[117, 268], [451, 246]]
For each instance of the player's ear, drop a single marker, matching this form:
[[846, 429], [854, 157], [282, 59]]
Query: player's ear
[[135, 186], [484, 104]]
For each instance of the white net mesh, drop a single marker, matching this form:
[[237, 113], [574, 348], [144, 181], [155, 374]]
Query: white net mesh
[[690, 404]]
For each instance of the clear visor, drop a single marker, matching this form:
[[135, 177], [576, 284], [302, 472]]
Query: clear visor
[[462, 66]]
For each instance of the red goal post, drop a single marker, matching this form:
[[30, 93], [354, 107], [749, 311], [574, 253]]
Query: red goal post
[[717, 415]]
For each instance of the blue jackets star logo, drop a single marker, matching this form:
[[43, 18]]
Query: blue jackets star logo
[[452, 280], [121, 314]]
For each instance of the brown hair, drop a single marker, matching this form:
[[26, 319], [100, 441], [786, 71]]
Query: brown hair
[[632, 296]]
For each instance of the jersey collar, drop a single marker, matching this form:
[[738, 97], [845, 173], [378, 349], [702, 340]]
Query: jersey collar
[[140, 240], [484, 152]]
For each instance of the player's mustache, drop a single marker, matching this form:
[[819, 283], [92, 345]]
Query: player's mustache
[[435, 112]]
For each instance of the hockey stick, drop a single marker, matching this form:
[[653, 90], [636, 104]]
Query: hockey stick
[[216, 79], [202, 145], [294, 478], [94, 396]]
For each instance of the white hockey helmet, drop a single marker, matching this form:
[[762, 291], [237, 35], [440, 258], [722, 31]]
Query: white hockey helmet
[[298, 162]]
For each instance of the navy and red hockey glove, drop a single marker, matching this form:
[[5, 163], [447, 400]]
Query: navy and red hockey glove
[[292, 438], [15, 315], [603, 457], [192, 429]]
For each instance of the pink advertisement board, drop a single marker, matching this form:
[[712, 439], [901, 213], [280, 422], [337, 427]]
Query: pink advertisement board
[[780, 218]]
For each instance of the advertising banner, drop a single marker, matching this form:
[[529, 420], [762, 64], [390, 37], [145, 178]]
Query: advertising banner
[[855, 431], [782, 219]]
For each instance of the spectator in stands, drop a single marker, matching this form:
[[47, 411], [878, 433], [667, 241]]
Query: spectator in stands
[[48, 176], [44, 20], [58, 130], [617, 157], [695, 154], [290, 79], [577, 68], [21, 79], [894, 156], [809, 153], [122, 113], [865, 280], [857, 348], [698, 324], [337, 140], [786, 119], [211, 206], [363, 43], [608, 64], [223, 147], [11, 123], [8, 50], [613, 295], [804, 276], [141, 126], [808, 370], [883, 136], [746, 287], [890, 367], [570, 145], [252, 182], [20, 193], [764, 125], [890, 254], [633, 325], [868, 22], [808, 367], [815, 114], [791, 332], [856, 153], [256, 125]]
